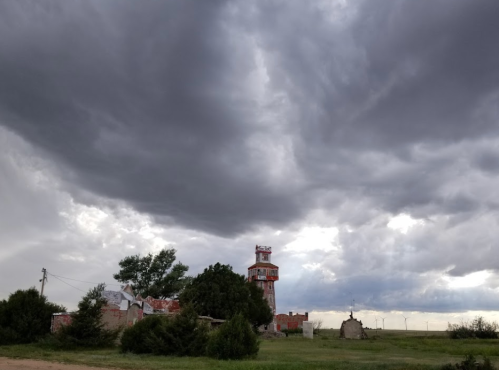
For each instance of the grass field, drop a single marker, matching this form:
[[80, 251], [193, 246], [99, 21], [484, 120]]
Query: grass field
[[387, 350]]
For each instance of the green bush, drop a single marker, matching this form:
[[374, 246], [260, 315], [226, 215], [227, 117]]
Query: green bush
[[182, 335], [478, 328], [25, 317], [234, 340], [86, 328]]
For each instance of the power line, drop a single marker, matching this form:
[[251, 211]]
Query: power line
[[67, 283], [81, 281]]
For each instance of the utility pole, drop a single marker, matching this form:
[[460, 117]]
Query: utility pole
[[43, 279]]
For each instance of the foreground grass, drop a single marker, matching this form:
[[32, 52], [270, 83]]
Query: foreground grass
[[387, 350]]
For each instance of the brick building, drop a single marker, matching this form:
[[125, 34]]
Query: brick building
[[290, 321]]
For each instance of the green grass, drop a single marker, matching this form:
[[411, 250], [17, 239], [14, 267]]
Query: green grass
[[386, 350]]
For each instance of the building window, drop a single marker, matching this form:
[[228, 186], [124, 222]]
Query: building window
[[265, 257], [270, 285]]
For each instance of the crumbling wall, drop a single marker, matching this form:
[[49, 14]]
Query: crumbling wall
[[59, 320], [114, 318], [290, 321], [352, 329]]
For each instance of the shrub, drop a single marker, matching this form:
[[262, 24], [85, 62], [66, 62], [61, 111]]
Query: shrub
[[25, 317], [182, 335], [86, 328], [292, 331], [470, 363], [478, 328], [317, 326], [233, 340]]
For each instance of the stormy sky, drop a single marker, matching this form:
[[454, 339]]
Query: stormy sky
[[359, 139]]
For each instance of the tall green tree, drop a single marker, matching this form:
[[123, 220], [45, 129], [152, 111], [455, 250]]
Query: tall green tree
[[221, 293], [259, 311], [86, 328], [25, 317], [153, 275]]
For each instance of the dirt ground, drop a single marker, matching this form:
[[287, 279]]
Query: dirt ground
[[11, 364]]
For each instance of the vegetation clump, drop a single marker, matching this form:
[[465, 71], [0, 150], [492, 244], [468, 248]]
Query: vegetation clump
[[470, 363], [25, 317], [478, 328], [234, 340], [292, 331], [182, 335], [86, 328]]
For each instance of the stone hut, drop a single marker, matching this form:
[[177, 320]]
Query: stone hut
[[352, 329]]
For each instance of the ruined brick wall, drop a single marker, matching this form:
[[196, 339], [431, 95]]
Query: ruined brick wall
[[59, 320], [284, 321], [114, 318]]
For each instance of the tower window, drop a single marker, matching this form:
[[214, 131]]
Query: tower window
[[265, 257]]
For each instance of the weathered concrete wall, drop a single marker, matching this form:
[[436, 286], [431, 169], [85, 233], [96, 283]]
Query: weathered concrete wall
[[308, 329], [352, 329]]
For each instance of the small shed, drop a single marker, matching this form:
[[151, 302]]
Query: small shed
[[352, 329]]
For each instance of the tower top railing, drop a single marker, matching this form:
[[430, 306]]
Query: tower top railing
[[261, 248]]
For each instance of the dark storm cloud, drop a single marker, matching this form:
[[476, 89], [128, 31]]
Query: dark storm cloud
[[227, 117], [149, 103], [140, 103]]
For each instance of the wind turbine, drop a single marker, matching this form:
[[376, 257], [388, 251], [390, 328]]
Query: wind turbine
[[426, 325], [405, 318], [383, 318]]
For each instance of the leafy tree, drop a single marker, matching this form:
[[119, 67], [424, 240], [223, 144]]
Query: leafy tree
[[221, 293], [234, 340], [182, 335], [259, 311], [153, 275], [86, 328], [25, 317]]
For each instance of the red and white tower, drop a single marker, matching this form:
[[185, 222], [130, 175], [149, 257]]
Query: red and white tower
[[264, 273]]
